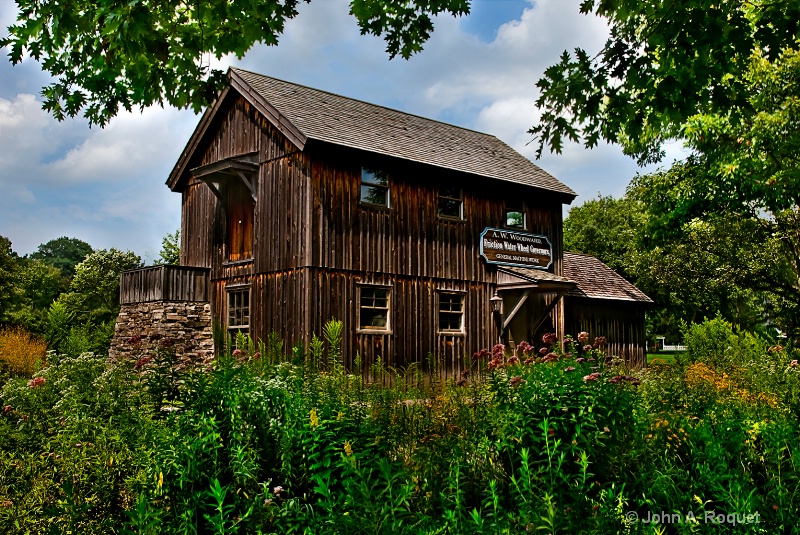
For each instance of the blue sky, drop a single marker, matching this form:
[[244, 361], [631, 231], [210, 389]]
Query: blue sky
[[106, 186]]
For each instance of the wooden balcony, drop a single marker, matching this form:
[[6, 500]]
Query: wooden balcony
[[164, 283]]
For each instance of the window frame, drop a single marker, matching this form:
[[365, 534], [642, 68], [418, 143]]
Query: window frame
[[460, 199], [520, 209], [373, 184], [231, 291], [450, 332], [387, 329]]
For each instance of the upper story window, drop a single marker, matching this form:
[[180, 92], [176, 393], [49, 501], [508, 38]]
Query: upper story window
[[451, 203], [514, 217], [451, 312], [239, 208], [373, 310], [375, 187]]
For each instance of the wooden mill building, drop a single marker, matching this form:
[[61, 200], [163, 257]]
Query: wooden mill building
[[424, 238]]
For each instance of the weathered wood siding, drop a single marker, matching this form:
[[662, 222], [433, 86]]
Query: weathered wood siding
[[197, 225], [280, 208], [622, 323], [164, 283], [409, 238]]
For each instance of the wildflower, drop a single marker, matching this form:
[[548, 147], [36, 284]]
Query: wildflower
[[525, 347], [775, 349], [549, 339], [237, 353], [774, 507], [142, 362], [348, 448], [587, 348], [6, 503], [580, 360], [268, 501], [530, 360], [7, 409], [512, 360], [569, 369], [606, 429], [277, 491], [600, 342], [583, 337], [550, 357], [793, 364], [544, 351], [516, 380], [498, 350], [256, 355], [592, 376], [551, 432], [314, 418], [36, 381]]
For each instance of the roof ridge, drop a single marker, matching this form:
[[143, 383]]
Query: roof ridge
[[370, 103]]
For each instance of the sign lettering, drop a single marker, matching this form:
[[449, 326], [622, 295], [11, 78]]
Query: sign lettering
[[511, 248]]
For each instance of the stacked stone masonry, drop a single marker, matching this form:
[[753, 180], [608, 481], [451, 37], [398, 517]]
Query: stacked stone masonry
[[186, 324]]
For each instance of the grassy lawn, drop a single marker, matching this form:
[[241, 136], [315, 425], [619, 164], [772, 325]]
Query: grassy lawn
[[665, 357]]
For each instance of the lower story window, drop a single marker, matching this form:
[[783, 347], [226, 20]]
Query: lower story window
[[239, 310], [451, 312], [374, 308]]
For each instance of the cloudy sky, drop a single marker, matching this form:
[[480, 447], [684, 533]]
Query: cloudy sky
[[106, 186]]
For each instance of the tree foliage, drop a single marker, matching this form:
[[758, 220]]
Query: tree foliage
[[95, 287], [63, 253], [664, 62], [108, 55], [607, 228], [170, 249]]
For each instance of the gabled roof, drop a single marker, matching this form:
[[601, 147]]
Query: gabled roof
[[303, 114], [598, 281]]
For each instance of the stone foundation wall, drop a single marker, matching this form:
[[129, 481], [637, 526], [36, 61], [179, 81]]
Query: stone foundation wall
[[142, 327]]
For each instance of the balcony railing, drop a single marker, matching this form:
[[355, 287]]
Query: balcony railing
[[164, 283]]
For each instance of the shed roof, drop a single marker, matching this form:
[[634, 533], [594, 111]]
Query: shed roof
[[303, 113], [598, 281], [583, 276]]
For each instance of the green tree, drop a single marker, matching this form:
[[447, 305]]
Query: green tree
[[9, 265], [664, 62], [106, 55], [170, 249], [63, 253], [94, 291], [609, 229], [738, 197]]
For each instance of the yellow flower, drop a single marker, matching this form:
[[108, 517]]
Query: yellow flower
[[160, 479], [314, 418], [348, 448]]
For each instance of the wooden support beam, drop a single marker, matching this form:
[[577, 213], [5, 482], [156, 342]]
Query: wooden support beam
[[538, 323], [516, 308]]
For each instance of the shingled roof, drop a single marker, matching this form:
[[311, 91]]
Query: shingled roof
[[306, 114], [598, 281]]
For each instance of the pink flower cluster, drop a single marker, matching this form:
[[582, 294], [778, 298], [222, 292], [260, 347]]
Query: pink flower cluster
[[625, 378], [592, 376], [36, 382]]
